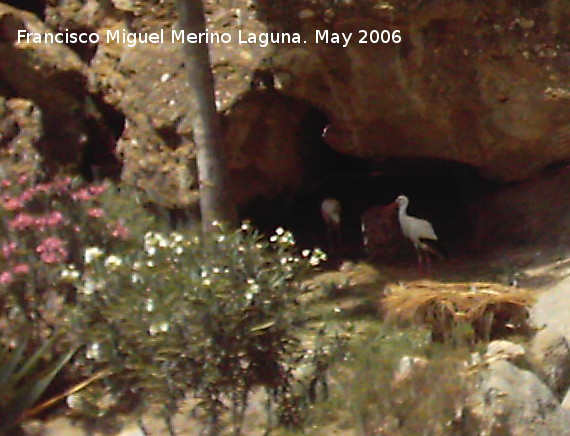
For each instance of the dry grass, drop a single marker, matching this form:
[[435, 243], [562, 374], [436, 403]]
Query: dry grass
[[481, 310]]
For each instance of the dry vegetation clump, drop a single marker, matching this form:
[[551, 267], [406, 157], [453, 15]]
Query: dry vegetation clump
[[466, 311]]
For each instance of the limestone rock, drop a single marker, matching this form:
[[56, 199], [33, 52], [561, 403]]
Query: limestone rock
[[20, 130], [455, 88], [566, 401], [512, 401], [504, 350], [57, 80], [550, 355], [147, 82]]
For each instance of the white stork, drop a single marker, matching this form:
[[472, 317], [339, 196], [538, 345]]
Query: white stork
[[416, 230], [331, 213]]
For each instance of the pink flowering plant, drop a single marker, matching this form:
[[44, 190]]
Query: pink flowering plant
[[44, 229]]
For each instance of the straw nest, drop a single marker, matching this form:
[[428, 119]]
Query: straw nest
[[490, 309]]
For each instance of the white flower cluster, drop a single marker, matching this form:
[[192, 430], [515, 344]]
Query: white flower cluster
[[288, 259], [69, 274], [149, 305], [155, 240], [92, 253], [113, 262], [283, 237], [157, 328], [93, 351], [90, 286], [136, 278], [316, 256], [252, 289]]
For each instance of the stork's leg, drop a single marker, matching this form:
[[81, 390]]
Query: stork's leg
[[338, 235], [330, 238], [419, 257], [428, 263]]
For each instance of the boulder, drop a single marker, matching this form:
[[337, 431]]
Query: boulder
[[504, 350], [550, 356], [513, 401]]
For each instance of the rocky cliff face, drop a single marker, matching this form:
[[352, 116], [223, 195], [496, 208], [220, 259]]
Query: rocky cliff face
[[480, 83]]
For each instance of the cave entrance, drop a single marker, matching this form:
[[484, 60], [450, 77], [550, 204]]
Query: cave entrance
[[439, 191]]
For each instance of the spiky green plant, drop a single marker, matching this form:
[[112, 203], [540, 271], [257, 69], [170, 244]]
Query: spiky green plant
[[24, 377]]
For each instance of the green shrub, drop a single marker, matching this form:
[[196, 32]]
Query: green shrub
[[215, 318]]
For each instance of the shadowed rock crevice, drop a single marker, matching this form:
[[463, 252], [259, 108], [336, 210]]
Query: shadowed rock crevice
[[36, 7], [105, 126]]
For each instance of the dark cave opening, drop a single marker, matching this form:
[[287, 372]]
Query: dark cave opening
[[99, 159], [36, 7], [439, 191]]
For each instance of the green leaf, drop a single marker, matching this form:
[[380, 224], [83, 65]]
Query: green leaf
[[33, 360], [32, 391], [7, 369]]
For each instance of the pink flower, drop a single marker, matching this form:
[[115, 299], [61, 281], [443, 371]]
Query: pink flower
[[62, 185], [13, 203], [55, 218], [23, 179], [8, 249], [43, 187], [120, 231], [51, 243], [21, 222], [6, 278], [96, 212], [21, 268], [97, 190], [40, 223], [52, 250], [53, 257], [82, 195], [27, 195], [6, 183]]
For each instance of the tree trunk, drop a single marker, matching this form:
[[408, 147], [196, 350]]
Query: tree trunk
[[216, 199]]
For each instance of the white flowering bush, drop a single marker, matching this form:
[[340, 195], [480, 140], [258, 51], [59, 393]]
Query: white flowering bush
[[214, 317]]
